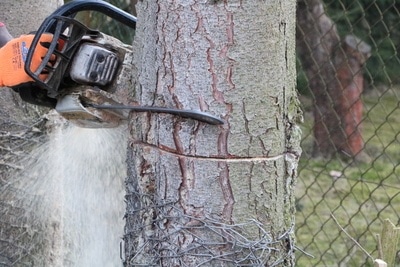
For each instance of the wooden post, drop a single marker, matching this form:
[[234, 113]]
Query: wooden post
[[349, 61], [379, 263], [389, 240]]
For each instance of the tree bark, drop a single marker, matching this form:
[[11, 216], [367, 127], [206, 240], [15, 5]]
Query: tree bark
[[334, 71], [213, 195]]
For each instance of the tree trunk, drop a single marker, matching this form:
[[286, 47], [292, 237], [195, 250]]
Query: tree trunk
[[334, 71], [22, 128], [208, 195]]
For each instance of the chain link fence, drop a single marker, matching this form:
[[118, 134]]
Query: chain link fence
[[349, 174]]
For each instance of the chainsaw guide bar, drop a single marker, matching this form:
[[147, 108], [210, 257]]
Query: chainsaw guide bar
[[184, 113], [91, 108]]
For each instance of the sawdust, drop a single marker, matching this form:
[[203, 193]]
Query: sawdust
[[74, 186]]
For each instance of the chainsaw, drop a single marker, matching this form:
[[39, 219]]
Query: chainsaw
[[85, 69]]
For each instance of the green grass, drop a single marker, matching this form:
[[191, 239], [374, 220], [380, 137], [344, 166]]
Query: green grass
[[360, 199]]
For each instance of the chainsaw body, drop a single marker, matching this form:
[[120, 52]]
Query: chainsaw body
[[89, 67], [96, 73], [85, 73]]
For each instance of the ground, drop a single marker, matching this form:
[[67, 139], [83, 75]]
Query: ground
[[359, 195]]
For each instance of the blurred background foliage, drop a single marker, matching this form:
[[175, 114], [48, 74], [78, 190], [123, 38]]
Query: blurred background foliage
[[378, 24], [107, 25], [360, 194]]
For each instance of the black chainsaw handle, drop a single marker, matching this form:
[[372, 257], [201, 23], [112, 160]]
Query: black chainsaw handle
[[70, 9], [63, 46]]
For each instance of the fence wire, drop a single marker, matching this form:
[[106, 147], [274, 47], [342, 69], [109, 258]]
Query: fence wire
[[349, 174], [353, 183]]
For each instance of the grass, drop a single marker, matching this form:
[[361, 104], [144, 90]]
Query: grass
[[360, 196]]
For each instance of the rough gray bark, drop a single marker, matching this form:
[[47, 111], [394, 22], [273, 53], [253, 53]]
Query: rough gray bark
[[201, 194], [21, 128]]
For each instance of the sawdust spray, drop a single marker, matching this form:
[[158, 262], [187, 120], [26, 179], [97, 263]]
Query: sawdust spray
[[77, 178]]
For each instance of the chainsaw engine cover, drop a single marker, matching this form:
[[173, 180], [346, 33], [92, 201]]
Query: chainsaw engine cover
[[94, 65]]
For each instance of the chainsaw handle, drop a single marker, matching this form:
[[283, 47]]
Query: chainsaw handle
[[63, 46], [70, 9]]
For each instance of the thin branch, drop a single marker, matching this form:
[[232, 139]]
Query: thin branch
[[352, 239], [380, 250]]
